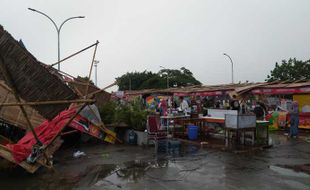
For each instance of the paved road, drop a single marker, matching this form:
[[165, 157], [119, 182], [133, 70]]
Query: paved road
[[131, 167]]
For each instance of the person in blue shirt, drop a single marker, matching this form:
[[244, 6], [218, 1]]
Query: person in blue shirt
[[294, 119]]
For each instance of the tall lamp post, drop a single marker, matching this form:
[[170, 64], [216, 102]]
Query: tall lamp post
[[167, 76], [96, 65], [57, 28], [232, 68]]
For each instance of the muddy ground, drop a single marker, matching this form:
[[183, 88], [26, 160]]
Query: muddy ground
[[283, 166]]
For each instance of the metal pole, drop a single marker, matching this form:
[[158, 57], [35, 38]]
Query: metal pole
[[96, 74], [167, 79], [58, 49], [232, 68], [167, 75], [57, 29], [95, 65]]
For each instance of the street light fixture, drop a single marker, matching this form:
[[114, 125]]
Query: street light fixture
[[167, 75], [57, 28], [96, 65], [232, 68]]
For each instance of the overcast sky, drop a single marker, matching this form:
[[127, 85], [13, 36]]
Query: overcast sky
[[138, 35]]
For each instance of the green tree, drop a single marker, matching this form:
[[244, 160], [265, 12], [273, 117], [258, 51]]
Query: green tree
[[133, 81], [178, 78], [149, 80], [290, 70]]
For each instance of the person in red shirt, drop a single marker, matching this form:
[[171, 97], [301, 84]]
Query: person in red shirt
[[163, 106]]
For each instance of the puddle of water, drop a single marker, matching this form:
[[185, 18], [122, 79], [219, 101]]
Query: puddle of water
[[288, 172], [296, 185], [128, 173], [167, 167]]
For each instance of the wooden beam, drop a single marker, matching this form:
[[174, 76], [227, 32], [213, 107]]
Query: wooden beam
[[47, 102]]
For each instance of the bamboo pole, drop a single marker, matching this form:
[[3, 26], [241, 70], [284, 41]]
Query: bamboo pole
[[69, 132], [62, 73], [74, 54], [102, 127], [91, 68], [47, 102], [5, 86], [10, 82], [80, 94], [98, 91]]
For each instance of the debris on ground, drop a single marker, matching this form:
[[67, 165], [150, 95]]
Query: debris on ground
[[78, 154]]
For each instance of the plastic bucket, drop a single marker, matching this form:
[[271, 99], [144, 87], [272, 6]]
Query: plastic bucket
[[192, 132]]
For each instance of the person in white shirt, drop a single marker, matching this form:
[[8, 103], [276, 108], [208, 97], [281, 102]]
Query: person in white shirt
[[184, 105]]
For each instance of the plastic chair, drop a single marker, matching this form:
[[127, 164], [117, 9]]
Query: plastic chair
[[153, 130]]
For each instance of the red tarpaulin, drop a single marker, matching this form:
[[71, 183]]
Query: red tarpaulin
[[45, 132]]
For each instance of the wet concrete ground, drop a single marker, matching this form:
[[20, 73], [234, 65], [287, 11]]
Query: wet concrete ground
[[192, 167]]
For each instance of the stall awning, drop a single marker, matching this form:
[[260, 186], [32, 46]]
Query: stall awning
[[275, 91]]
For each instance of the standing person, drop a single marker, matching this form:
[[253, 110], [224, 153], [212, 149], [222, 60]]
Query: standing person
[[184, 105], [243, 109], [163, 107], [294, 119], [260, 110], [234, 104]]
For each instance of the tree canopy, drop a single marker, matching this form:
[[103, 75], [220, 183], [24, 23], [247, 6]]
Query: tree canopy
[[148, 80], [290, 70]]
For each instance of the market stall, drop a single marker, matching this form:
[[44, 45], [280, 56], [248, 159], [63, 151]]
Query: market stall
[[282, 96]]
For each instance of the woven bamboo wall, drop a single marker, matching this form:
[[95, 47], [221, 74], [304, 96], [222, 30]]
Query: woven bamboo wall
[[13, 114], [32, 80]]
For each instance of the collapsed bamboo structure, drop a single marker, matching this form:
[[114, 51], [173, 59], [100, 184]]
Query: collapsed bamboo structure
[[31, 92]]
